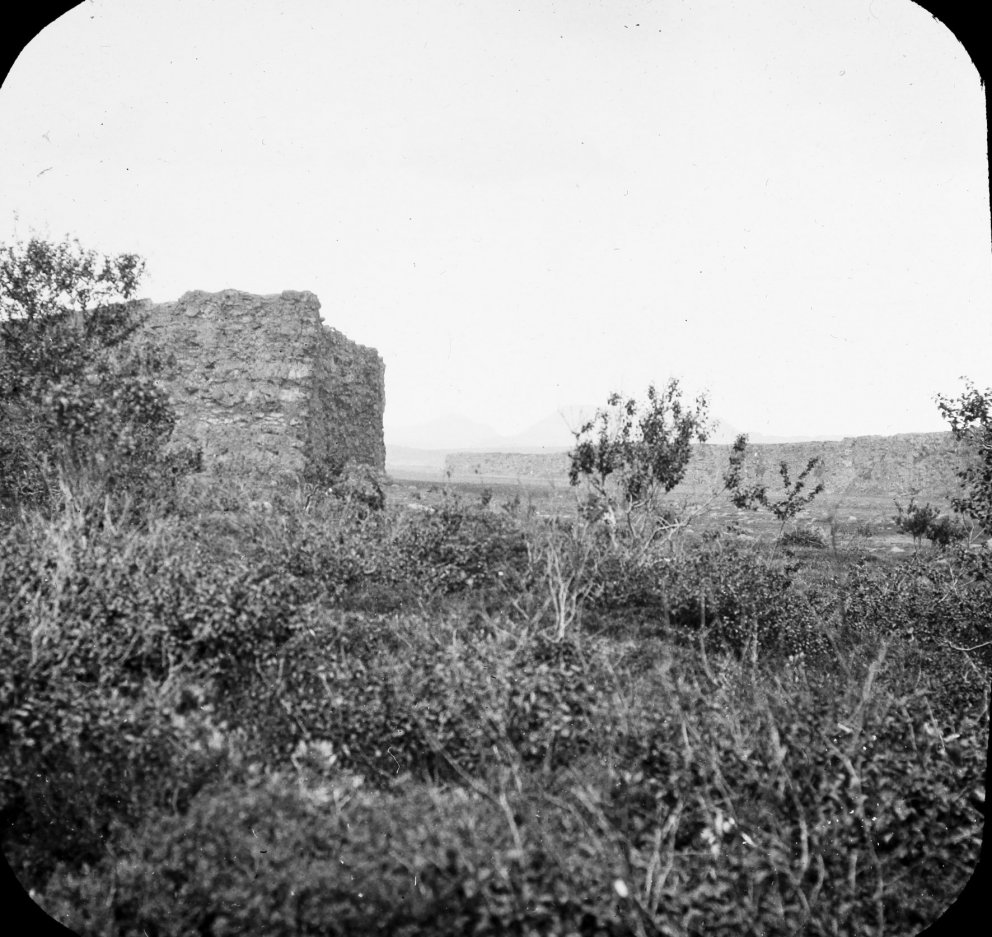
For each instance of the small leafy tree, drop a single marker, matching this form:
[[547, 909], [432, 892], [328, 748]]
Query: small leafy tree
[[970, 418], [629, 452], [916, 520], [754, 496], [625, 456], [78, 399], [921, 521]]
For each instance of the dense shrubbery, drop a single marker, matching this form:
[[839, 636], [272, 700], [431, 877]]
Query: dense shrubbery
[[732, 807], [291, 710], [970, 419], [201, 705], [434, 699], [103, 634], [80, 411], [940, 612], [778, 786], [337, 859], [723, 591], [458, 546]]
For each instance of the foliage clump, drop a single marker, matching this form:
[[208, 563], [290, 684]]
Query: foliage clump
[[925, 521], [970, 419], [79, 404], [629, 451], [805, 535]]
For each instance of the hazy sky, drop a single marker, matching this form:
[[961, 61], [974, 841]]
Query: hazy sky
[[528, 205]]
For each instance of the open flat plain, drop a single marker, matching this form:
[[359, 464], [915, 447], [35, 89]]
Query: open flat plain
[[859, 522]]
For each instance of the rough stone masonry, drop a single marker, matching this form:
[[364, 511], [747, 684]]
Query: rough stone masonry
[[260, 383]]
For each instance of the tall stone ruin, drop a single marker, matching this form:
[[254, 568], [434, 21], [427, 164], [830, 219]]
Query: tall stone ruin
[[261, 384]]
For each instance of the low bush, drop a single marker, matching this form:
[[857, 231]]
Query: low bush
[[945, 531], [795, 801], [790, 807], [395, 696], [721, 588], [804, 535], [348, 555], [459, 546], [939, 609], [337, 554], [102, 635], [272, 858]]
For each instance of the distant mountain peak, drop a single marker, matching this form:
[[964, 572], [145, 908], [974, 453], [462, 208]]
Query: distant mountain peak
[[555, 430]]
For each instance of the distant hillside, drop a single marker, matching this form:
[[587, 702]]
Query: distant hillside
[[921, 464]]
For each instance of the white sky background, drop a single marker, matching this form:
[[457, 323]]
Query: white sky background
[[783, 202]]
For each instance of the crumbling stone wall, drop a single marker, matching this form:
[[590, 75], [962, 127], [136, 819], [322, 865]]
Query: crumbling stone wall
[[920, 464], [260, 383], [909, 464], [347, 403]]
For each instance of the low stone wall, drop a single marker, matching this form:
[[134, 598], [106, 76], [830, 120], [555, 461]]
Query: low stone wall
[[911, 464], [260, 383]]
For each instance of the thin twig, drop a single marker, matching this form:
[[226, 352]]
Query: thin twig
[[966, 649]]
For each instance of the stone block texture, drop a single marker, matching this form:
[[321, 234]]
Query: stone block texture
[[261, 384]]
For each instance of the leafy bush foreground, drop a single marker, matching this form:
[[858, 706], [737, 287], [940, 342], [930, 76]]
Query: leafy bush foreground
[[311, 717]]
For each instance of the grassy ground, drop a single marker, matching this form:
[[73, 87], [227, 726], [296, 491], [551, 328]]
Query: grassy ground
[[282, 711], [864, 522]]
